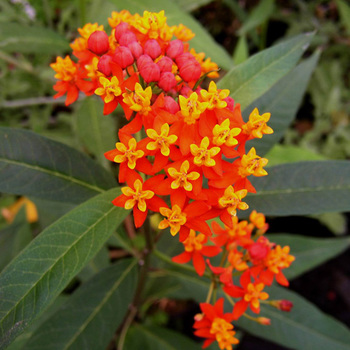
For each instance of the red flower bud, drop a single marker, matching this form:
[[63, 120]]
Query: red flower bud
[[264, 321], [285, 305], [143, 60], [152, 48], [258, 251], [136, 49], [165, 64], [127, 38], [186, 91], [103, 65], [184, 58], [175, 48], [150, 72], [98, 42], [167, 81], [171, 105], [230, 103], [120, 29], [190, 71], [123, 57]]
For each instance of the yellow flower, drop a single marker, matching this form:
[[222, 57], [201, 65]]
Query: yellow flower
[[182, 177], [161, 141], [252, 164], [203, 155], [65, 68], [232, 200], [110, 88], [224, 333], [191, 108], [256, 126], [175, 219], [140, 100], [151, 23], [88, 29], [128, 154], [137, 195], [222, 134], [215, 97]]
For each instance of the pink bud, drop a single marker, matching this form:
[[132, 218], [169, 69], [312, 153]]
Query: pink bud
[[175, 48], [98, 42], [167, 81], [171, 105], [285, 305], [165, 64], [103, 65], [152, 48], [230, 103], [120, 29], [184, 58], [150, 72], [123, 57], [136, 49], [127, 38], [143, 60], [190, 71], [186, 91], [258, 251]]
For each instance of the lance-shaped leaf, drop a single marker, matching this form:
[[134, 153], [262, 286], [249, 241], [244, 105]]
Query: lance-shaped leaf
[[202, 42], [157, 338], [92, 314], [15, 37], [36, 166], [304, 327], [302, 188], [282, 101], [45, 267], [251, 79], [309, 252]]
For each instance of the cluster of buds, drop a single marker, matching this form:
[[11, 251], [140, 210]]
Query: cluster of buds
[[181, 154]]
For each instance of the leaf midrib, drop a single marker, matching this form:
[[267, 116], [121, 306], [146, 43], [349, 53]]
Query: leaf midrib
[[53, 173]]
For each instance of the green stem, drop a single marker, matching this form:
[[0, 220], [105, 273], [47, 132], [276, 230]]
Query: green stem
[[210, 291], [33, 101], [26, 66], [82, 7]]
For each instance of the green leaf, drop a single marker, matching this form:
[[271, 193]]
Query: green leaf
[[15, 37], [92, 314], [191, 5], [344, 11], [14, 238], [305, 327], [282, 101], [97, 133], [258, 16], [35, 166], [157, 338], [254, 77], [241, 53], [45, 267], [309, 252], [281, 154], [202, 42], [302, 188]]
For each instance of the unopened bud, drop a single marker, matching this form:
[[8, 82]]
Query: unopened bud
[[98, 42], [171, 105], [123, 57], [150, 72], [136, 49], [120, 29], [190, 71], [264, 321], [230, 103], [175, 48], [165, 64], [103, 65], [258, 251], [127, 38], [167, 81], [143, 60], [198, 317], [152, 48], [184, 58], [283, 305]]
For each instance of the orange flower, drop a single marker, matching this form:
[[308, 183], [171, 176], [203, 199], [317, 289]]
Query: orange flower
[[252, 164], [256, 126], [232, 200]]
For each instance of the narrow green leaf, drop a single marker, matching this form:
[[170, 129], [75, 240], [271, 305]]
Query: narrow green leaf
[[344, 11], [202, 42], [281, 154], [97, 133], [33, 165], [282, 101], [157, 338], [251, 79], [241, 53], [259, 15], [302, 188], [14, 238], [191, 5], [92, 314], [309, 252], [305, 327], [41, 271], [15, 37]]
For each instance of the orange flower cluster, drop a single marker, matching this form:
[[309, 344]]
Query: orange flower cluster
[[182, 152]]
